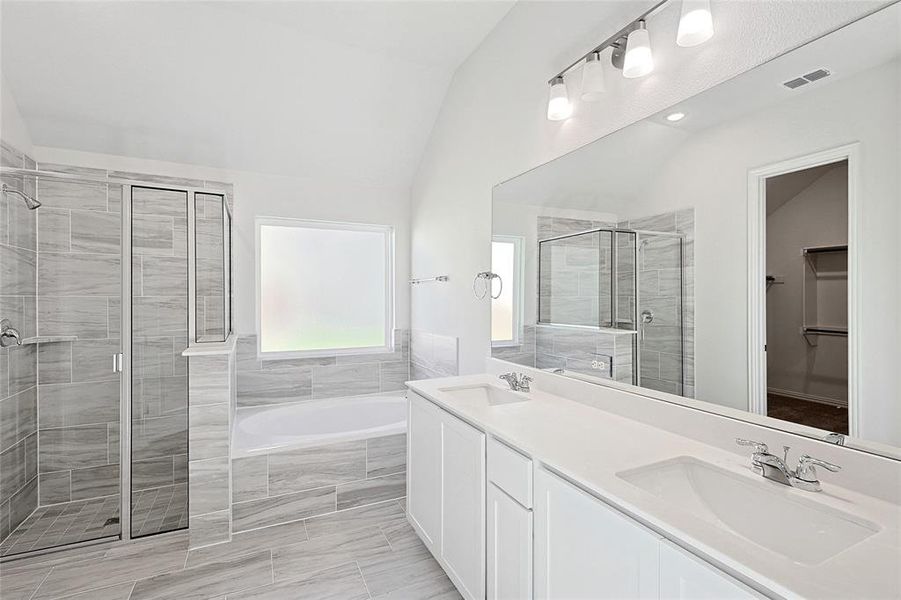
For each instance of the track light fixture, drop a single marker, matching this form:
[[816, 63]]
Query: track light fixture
[[631, 53]]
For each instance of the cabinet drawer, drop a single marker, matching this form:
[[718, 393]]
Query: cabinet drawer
[[510, 471]]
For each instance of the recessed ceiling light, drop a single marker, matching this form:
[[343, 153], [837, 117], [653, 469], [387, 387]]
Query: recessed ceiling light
[[676, 116]]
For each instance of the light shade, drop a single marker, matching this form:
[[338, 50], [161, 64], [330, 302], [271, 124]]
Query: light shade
[[638, 61], [558, 105], [593, 78], [695, 24]]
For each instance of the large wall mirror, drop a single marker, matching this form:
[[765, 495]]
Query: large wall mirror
[[740, 248]]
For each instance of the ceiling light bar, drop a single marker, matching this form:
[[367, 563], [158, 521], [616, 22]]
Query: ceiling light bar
[[631, 52]]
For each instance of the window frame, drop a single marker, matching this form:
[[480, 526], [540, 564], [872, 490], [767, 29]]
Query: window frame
[[386, 230], [518, 242]]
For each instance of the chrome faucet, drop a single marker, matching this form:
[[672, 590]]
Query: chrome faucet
[[776, 469], [9, 335], [518, 382]]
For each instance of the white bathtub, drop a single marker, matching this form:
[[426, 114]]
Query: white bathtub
[[319, 422]]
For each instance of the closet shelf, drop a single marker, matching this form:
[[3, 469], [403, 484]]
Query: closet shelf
[[835, 331]]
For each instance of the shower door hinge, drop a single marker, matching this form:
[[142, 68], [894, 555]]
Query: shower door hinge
[[117, 362]]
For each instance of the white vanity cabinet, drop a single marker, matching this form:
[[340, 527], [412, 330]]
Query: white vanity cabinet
[[684, 576], [446, 492], [509, 523], [585, 549]]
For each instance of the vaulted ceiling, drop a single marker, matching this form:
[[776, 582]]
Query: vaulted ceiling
[[337, 90]]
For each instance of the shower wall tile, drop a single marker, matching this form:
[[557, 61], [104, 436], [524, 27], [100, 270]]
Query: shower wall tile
[[22, 223], [152, 178], [160, 316], [345, 380], [152, 235], [95, 232], [152, 473], [92, 360], [54, 487], [10, 156], [55, 363], [72, 194], [73, 170], [22, 368], [68, 404], [163, 275], [159, 436], [95, 481], [319, 466], [23, 502], [79, 274], [17, 271], [114, 198], [84, 317], [157, 202], [73, 447]]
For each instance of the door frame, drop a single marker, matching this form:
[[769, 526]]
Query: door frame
[[757, 364]]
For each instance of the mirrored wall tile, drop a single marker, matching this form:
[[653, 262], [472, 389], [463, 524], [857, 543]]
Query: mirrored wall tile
[[81, 316], [345, 380], [370, 491], [671, 367], [257, 388], [23, 365], [164, 276], [282, 509], [18, 269], [98, 232], [665, 222], [209, 485], [318, 466], [72, 447], [72, 194], [650, 364], [94, 482], [209, 431], [67, 404], [250, 478], [79, 274], [386, 455], [54, 487]]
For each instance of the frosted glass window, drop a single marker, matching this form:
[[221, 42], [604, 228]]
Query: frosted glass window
[[505, 308], [324, 287]]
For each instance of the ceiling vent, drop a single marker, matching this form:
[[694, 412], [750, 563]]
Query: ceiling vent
[[805, 79]]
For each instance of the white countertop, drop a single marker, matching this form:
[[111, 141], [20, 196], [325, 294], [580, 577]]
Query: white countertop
[[589, 446]]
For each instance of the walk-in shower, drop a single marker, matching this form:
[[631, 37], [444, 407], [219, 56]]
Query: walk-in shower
[[610, 305], [105, 286]]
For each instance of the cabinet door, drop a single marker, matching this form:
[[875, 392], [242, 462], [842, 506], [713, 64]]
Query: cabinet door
[[509, 547], [463, 505], [586, 549], [424, 469], [684, 576]]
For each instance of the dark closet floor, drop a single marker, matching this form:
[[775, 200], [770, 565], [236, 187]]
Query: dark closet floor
[[804, 412]]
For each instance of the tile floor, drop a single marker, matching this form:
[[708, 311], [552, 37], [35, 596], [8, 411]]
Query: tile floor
[[360, 553], [155, 511]]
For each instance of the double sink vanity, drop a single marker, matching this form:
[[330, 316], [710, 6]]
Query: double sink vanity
[[522, 494]]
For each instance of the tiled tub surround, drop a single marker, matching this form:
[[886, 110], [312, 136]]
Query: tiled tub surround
[[18, 365], [277, 381], [288, 485], [433, 355]]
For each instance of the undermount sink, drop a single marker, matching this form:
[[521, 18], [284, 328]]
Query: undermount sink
[[762, 512], [488, 394]]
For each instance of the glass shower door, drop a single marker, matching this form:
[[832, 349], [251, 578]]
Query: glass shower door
[[159, 373]]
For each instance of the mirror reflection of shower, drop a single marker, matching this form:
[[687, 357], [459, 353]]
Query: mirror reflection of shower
[[30, 202]]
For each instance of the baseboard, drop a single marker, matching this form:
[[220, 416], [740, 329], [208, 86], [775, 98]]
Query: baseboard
[[808, 397]]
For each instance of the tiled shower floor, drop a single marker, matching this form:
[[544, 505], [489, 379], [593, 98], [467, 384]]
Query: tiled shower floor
[[157, 510]]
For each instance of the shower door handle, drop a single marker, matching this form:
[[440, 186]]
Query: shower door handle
[[117, 362], [646, 317]]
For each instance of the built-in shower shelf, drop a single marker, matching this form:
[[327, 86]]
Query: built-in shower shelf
[[48, 339]]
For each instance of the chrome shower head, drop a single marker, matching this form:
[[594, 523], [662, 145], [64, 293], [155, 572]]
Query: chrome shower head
[[30, 202]]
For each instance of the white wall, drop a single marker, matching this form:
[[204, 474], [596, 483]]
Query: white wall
[[258, 194], [492, 125], [12, 126]]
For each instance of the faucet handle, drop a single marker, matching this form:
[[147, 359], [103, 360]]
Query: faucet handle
[[807, 464], [758, 446]]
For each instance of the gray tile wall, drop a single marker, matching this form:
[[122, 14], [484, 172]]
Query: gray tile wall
[[433, 355], [79, 273], [288, 485], [277, 381], [210, 290], [18, 365], [209, 480]]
